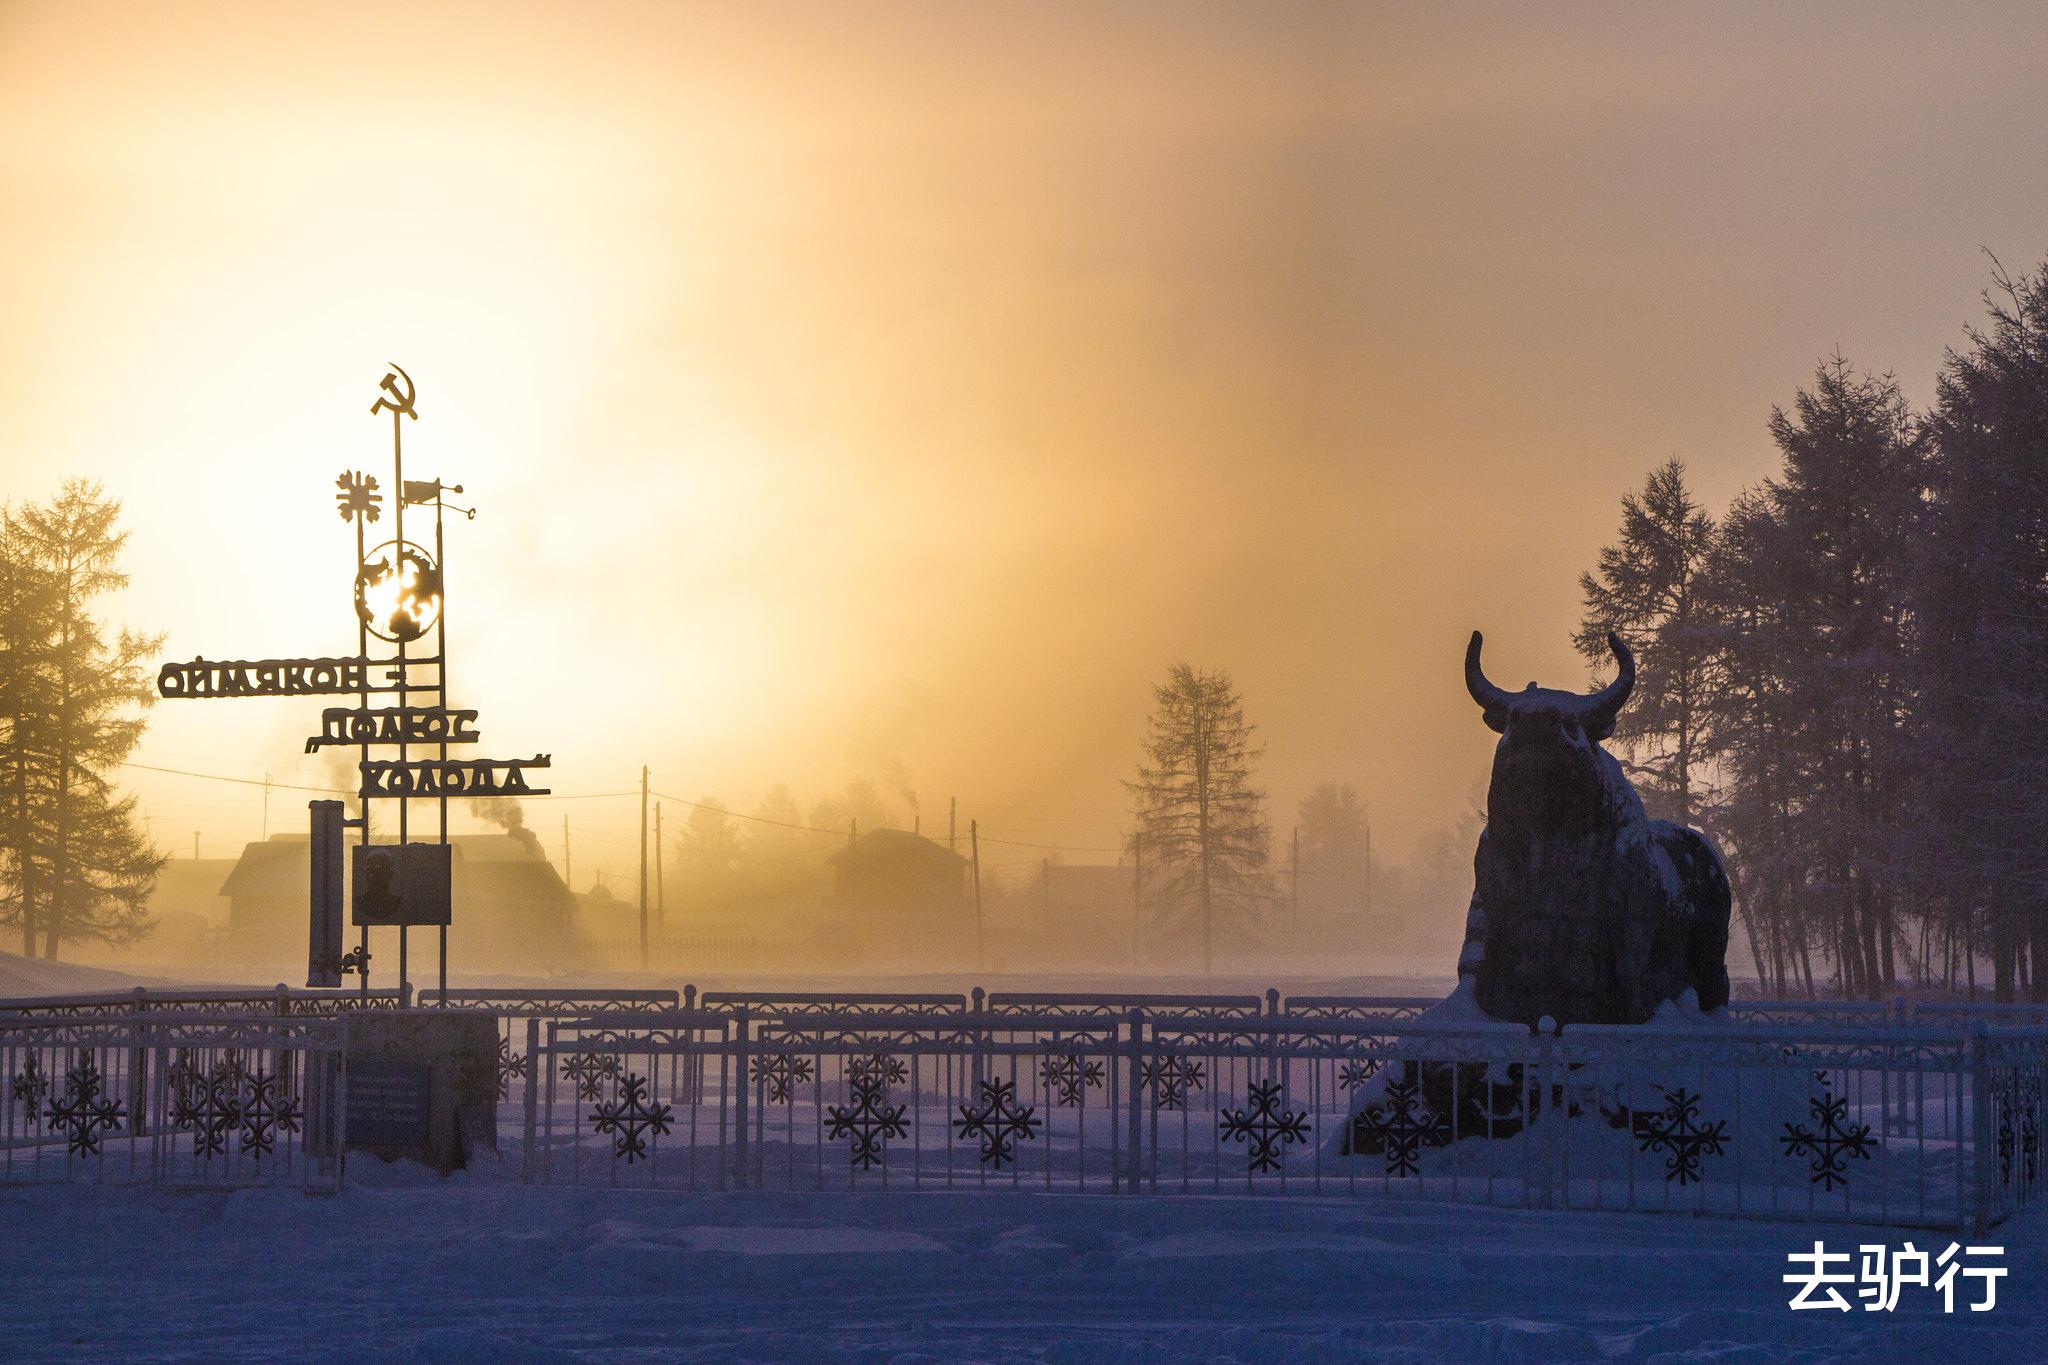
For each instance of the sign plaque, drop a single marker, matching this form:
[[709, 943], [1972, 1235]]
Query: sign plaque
[[390, 1105], [401, 884]]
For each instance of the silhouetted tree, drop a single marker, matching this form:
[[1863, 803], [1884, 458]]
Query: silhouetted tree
[[1335, 847], [1201, 819], [1981, 744], [1647, 587], [710, 844], [76, 865], [1814, 586]]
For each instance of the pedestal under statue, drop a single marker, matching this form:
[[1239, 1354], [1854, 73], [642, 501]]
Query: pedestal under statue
[[1583, 908]]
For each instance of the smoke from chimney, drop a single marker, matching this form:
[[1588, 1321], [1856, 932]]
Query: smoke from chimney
[[507, 815]]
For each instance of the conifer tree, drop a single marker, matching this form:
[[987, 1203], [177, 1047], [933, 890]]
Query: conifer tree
[[76, 865], [1201, 819], [1647, 588]]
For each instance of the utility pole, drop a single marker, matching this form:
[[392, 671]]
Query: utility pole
[[660, 882], [566, 867], [1294, 874], [195, 845], [643, 867], [1045, 897], [1368, 869], [980, 945], [1137, 891], [266, 806], [952, 824]]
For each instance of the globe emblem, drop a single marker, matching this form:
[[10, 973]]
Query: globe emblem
[[398, 592]]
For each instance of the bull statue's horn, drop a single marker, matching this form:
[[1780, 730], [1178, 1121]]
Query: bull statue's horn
[[1493, 703], [1603, 706]]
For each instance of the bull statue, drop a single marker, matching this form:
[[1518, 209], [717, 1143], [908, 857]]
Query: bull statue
[[1583, 908]]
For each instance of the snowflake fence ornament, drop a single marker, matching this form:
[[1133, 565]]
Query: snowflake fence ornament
[[206, 1102], [880, 1067], [1067, 1076], [998, 1121], [630, 1120], [1171, 1080], [1401, 1125], [590, 1070], [869, 1120], [1833, 1142], [29, 1086], [779, 1073], [1676, 1130], [511, 1066], [82, 1112], [1356, 1072], [1265, 1125]]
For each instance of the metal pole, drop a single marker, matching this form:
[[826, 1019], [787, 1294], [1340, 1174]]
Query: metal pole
[[362, 801], [980, 948], [660, 880], [643, 867], [1137, 892], [441, 676], [404, 699]]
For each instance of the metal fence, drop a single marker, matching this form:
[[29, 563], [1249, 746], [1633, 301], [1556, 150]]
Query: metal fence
[[1887, 1123], [202, 1099], [1905, 1114]]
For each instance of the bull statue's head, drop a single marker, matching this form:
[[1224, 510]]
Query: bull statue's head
[[1550, 775]]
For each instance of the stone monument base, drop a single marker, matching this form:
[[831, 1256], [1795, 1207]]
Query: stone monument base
[[422, 1085]]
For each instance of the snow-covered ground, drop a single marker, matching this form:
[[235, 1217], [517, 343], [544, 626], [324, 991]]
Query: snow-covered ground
[[404, 1266]]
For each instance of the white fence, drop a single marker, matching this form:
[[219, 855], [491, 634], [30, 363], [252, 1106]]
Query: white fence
[[1912, 1115], [1905, 1124], [213, 1099]]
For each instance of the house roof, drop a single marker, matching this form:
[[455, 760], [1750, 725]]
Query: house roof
[[897, 845], [190, 883], [493, 864]]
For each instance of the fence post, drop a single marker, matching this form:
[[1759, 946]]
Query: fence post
[[1983, 1181], [1548, 1132], [1135, 1153], [533, 1064], [693, 1064], [138, 1067], [737, 1080]]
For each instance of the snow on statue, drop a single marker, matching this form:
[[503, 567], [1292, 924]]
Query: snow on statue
[[1583, 908]]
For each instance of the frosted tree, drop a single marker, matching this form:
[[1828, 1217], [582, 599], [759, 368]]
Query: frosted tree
[[76, 866], [1201, 821]]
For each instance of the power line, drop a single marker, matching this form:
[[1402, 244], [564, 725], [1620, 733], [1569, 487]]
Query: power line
[[593, 796], [814, 829], [343, 791], [238, 781]]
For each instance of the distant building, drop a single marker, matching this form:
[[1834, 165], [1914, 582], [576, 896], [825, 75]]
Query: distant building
[[512, 912], [897, 897]]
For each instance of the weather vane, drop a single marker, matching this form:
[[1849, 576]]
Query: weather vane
[[400, 602]]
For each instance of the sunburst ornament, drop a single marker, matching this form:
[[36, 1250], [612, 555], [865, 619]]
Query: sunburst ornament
[[398, 592]]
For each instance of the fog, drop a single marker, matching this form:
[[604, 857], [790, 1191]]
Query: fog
[[883, 396]]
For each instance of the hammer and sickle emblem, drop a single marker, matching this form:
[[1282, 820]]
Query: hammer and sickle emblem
[[400, 404]]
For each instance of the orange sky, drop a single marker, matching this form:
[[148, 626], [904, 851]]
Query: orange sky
[[853, 385]]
